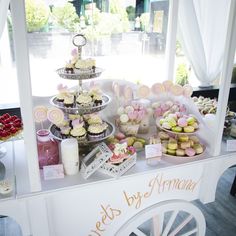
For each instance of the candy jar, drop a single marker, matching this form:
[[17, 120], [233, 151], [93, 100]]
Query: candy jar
[[48, 151]]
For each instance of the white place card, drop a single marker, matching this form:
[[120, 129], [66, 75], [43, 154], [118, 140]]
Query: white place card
[[53, 172], [231, 145], [153, 150]]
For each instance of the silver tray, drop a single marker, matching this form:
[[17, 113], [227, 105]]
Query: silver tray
[[80, 74], [57, 135], [77, 109]]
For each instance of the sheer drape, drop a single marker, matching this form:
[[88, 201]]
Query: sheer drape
[[4, 4], [202, 32]]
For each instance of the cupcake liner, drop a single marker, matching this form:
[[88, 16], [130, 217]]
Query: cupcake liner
[[94, 137]]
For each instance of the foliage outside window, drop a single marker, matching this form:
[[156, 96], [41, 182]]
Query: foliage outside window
[[182, 74], [66, 17], [37, 14]]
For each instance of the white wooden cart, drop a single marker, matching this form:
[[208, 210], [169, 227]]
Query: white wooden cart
[[106, 206]]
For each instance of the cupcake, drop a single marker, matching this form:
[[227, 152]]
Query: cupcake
[[94, 119], [60, 97], [84, 100], [97, 99], [96, 131], [69, 100], [78, 132], [65, 131], [69, 68]]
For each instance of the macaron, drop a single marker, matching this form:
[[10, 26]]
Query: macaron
[[180, 152], [163, 135], [185, 145], [171, 151], [172, 145], [191, 120], [190, 152], [183, 138], [166, 125], [198, 148], [171, 121], [194, 138], [189, 129], [177, 129], [182, 122]]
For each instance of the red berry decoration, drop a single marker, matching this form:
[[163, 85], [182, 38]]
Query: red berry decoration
[[9, 126]]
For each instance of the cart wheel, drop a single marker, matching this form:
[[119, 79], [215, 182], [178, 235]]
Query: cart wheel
[[170, 218]]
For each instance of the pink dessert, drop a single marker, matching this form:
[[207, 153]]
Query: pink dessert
[[190, 152], [182, 122]]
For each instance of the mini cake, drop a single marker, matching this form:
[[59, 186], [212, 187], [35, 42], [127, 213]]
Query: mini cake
[[69, 100], [84, 100], [85, 64], [69, 68], [96, 131], [78, 132]]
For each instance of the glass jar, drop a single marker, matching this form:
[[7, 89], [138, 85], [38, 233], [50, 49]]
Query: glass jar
[[48, 150]]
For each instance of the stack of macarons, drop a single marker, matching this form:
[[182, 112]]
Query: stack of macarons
[[182, 145], [178, 123]]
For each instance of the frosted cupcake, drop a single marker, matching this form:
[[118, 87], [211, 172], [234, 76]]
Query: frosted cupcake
[[84, 100], [97, 99], [94, 119], [65, 131], [96, 131], [78, 132], [69, 100]]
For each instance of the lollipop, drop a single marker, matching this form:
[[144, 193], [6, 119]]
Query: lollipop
[[158, 88], [40, 113], [167, 85], [188, 90], [128, 93], [143, 91], [55, 115], [176, 89]]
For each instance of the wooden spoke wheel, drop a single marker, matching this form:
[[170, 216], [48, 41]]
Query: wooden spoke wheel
[[172, 218]]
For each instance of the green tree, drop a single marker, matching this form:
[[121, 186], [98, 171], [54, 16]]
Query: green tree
[[182, 74], [37, 14], [66, 17], [131, 13]]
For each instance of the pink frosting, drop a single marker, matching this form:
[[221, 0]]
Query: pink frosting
[[77, 122]]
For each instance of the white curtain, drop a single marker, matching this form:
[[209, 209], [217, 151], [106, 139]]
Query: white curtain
[[4, 4], [202, 33]]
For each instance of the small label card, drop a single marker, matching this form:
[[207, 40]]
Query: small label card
[[153, 150], [53, 172], [231, 145]]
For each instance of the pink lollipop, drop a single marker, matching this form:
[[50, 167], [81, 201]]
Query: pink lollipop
[[143, 91], [55, 115], [187, 90], [167, 84], [158, 88], [40, 113]]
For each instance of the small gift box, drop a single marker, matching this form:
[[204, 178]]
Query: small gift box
[[123, 159]]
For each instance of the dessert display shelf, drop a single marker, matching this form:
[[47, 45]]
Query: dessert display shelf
[[78, 109]]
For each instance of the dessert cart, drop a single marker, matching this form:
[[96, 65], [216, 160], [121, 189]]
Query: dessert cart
[[101, 205]]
